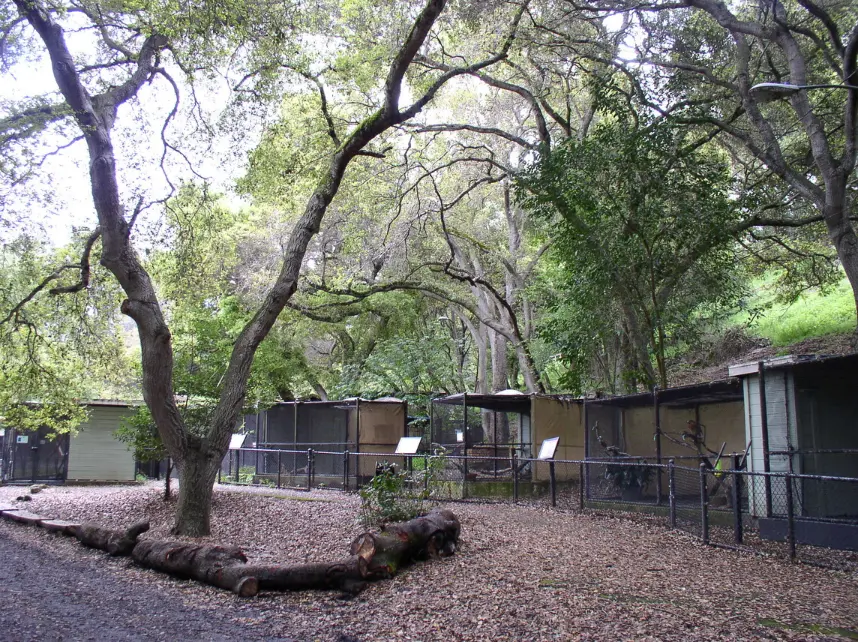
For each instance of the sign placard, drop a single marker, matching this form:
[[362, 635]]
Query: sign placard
[[237, 441], [408, 445], [548, 448], [22, 439]]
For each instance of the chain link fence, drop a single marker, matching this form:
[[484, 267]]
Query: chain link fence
[[812, 518]]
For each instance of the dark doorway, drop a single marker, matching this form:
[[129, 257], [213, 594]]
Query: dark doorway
[[34, 456]]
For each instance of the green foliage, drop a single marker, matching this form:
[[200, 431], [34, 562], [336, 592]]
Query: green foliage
[[57, 349], [201, 280], [642, 244], [813, 314], [396, 496], [141, 435]]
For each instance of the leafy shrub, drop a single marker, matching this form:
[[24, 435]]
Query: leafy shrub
[[396, 496]]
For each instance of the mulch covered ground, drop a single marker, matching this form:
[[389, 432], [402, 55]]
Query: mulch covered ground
[[521, 573]]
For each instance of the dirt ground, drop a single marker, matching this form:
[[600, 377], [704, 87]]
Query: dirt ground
[[521, 573]]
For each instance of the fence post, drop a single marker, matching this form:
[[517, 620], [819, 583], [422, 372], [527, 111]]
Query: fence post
[[704, 505], [552, 480], [514, 477], [279, 466], [426, 472], [237, 463], [465, 476], [581, 485], [790, 517], [738, 534], [309, 468], [671, 490], [218, 473], [346, 470]]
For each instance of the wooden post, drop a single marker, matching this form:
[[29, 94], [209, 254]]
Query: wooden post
[[704, 505], [790, 517], [279, 461], [657, 413], [764, 427], [167, 481], [738, 534], [552, 480], [514, 475], [671, 490], [581, 473], [585, 479], [465, 437]]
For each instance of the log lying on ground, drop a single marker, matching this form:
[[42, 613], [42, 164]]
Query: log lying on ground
[[116, 543], [60, 526], [373, 556], [433, 535], [221, 566]]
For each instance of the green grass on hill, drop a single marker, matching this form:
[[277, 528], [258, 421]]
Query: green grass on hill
[[813, 315]]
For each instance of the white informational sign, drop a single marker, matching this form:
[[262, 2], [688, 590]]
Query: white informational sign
[[22, 439], [237, 441], [460, 436], [548, 448], [408, 445]]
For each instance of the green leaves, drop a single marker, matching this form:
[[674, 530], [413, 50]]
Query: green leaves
[[56, 350], [643, 233]]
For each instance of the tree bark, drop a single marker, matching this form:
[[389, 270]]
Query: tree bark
[[116, 543], [197, 475], [197, 456], [372, 556]]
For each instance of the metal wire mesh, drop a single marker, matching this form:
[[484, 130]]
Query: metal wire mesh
[[795, 516]]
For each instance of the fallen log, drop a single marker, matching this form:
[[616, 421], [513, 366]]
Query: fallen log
[[59, 526], [433, 535], [372, 556], [221, 566], [116, 543], [24, 517]]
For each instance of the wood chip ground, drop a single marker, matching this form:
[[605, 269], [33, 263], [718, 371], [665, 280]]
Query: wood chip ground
[[521, 573]]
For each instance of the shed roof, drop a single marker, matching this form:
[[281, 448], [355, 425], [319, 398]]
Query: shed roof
[[720, 391], [503, 401], [792, 361]]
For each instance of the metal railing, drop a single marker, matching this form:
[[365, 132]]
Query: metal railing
[[798, 516]]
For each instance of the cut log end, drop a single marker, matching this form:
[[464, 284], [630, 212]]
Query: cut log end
[[247, 587]]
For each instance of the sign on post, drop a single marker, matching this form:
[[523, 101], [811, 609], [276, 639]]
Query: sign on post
[[408, 445], [237, 441], [548, 448]]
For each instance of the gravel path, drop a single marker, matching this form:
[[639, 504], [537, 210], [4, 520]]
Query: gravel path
[[49, 597], [521, 573]]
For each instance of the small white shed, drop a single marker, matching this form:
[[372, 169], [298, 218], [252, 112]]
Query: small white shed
[[94, 452]]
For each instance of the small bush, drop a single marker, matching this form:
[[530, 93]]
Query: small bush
[[397, 496]]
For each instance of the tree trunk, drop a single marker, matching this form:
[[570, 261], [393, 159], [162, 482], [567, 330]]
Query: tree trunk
[[197, 475], [95, 116], [116, 543], [845, 240], [371, 556]]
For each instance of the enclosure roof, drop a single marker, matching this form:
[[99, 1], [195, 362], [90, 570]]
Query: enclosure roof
[[791, 361], [702, 393], [112, 402], [503, 401], [350, 402], [519, 403]]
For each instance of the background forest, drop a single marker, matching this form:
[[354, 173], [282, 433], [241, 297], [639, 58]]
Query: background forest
[[578, 199]]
